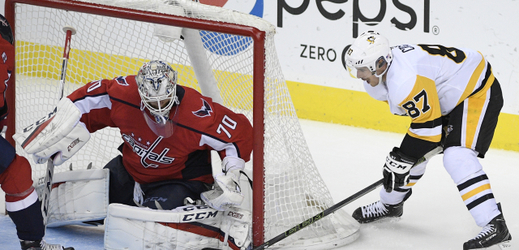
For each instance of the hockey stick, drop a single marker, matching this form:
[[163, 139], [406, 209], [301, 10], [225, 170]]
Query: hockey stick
[[337, 206], [50, 164]]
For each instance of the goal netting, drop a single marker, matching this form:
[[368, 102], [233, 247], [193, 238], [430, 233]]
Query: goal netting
[[227, 55]]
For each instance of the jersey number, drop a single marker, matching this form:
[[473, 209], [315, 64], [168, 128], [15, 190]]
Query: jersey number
[[452, 53], [227, 122], [411, 106]]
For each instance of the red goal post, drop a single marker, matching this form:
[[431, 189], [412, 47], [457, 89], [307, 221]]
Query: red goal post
[[237, 66]]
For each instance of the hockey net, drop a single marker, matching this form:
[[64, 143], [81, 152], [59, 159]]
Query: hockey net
[[227, 55]]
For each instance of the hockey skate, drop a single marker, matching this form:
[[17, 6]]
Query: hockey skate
[[41, 245], [494, 233], [376, 211]]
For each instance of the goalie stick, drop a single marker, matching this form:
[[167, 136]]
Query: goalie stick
[[45, 196], [335, 207]]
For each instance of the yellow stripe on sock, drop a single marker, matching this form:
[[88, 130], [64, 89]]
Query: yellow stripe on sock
[[475, 191]]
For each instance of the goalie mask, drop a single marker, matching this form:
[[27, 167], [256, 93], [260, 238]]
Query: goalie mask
[[156, 83], [369, 52]]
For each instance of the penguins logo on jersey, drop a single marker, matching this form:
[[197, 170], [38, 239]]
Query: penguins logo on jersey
[[205, 110]]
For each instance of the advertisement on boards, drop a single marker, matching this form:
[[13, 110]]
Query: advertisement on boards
[[312, 34], [311, 37]]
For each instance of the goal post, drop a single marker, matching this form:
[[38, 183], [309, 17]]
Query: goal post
[[227, 55]]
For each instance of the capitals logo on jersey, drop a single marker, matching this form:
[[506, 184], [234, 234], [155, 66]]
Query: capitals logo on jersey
[[146, 152], [205, 110]]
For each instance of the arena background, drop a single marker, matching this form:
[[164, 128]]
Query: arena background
[[313, 34], [311, 37]]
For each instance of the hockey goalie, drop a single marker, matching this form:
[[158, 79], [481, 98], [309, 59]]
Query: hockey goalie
[[162, 189]]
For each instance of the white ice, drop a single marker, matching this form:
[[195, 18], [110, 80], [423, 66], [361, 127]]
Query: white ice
[[350, 159]]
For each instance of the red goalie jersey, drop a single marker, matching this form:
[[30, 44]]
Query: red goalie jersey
[[199, 127]]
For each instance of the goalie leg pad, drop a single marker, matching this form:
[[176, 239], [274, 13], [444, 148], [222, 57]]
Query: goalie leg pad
[[186, 227], [236, 223], [78, 196], [135, 228]]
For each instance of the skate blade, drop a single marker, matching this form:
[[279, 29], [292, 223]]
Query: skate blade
[[505, 245], [387, 219]]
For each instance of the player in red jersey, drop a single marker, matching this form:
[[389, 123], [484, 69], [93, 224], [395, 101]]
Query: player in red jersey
[[168, 132], [21, 199]]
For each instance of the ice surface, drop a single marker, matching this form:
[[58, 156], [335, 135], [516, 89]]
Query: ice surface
[[350, 159]]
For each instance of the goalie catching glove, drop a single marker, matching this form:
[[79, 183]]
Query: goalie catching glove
[[58, 135], [397, 169], [226, 190]]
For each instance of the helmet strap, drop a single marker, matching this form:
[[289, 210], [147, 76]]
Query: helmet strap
[[380, 76]]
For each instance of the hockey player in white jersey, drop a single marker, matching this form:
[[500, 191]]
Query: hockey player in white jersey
[[453, 100]]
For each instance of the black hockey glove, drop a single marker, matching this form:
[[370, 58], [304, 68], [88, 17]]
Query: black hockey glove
[[3, 119], [396, 170]]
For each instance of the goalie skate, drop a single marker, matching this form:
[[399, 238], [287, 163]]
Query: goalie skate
[[376, 211]]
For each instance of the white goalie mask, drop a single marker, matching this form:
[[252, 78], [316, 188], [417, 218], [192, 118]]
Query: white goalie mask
[[369, 51], [157, 83]]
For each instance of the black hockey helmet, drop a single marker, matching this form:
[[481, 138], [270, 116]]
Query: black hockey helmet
[[5, 30]]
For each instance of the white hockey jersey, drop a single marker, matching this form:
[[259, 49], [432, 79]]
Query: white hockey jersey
[[426, 82]]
